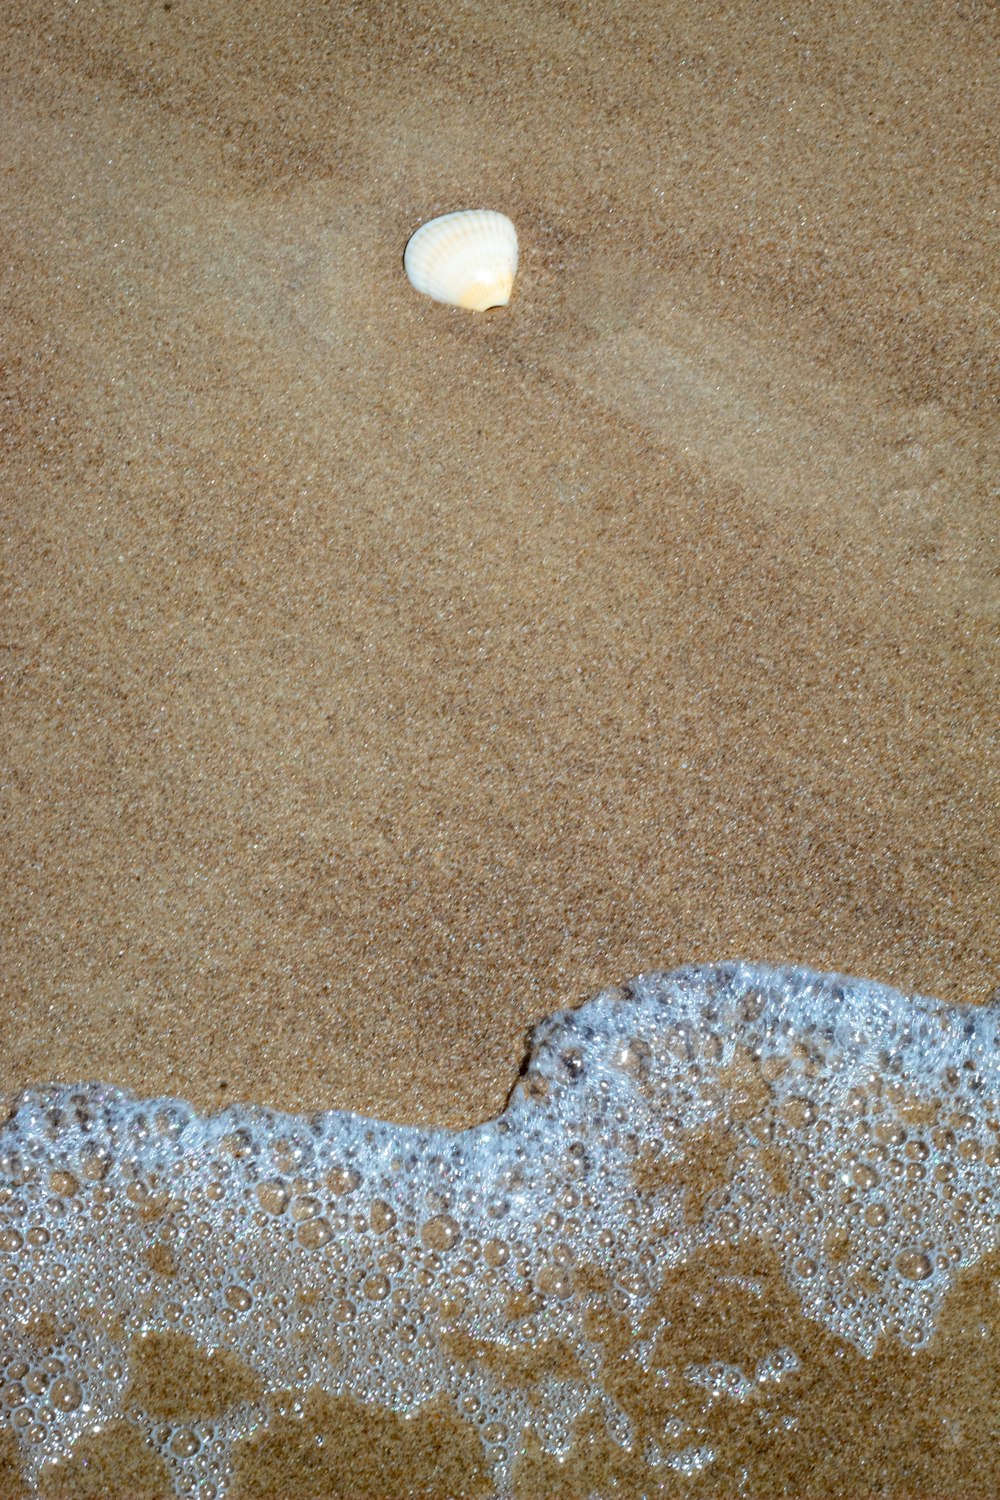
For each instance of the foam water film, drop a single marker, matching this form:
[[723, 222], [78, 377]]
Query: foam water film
[[735, 1233]]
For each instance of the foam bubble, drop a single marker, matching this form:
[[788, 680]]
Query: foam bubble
[[201, 1282]]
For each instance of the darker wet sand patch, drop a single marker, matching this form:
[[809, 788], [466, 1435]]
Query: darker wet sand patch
[[115, 1464], [13, 1484], [337, 1447], [172, 1378], [828, 1424]]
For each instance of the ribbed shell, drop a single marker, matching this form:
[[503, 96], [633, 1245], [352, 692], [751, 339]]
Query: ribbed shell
[[468, 259]]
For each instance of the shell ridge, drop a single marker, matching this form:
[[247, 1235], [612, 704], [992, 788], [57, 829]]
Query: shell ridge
[[466, 259]]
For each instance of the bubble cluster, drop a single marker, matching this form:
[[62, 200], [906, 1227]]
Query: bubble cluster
[[200, 1282]]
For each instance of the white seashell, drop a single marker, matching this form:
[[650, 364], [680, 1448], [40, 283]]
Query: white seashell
[[468, 258]]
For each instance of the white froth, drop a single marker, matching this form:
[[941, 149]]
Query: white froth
[[884, 1103]]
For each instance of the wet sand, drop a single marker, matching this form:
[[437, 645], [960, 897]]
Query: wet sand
[[377, 677]]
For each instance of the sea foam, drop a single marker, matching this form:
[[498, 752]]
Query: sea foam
[[191, 1287]]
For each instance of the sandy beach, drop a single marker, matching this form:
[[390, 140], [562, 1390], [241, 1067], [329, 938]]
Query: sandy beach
[[379, 677]]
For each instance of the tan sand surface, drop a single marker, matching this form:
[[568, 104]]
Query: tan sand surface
[[377, 677]]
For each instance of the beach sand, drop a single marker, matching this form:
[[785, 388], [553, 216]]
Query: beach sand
[[378, 677]]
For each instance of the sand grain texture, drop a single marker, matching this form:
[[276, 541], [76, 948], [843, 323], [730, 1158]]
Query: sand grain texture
[[377, 677]]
